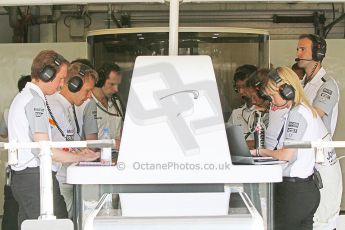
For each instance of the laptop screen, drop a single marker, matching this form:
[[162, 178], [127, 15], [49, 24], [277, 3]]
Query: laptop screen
[[236, 141]]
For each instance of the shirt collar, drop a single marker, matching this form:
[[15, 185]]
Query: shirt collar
[[37, 89], [64, 101], [318, 76], [110, 103]]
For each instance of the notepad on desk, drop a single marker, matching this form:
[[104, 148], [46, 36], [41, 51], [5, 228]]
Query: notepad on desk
[[87, 163]]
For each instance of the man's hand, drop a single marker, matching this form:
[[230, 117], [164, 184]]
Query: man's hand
[[253, 152], [87, 155]]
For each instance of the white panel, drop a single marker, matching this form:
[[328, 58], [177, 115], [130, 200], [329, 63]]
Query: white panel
[[174, 116]]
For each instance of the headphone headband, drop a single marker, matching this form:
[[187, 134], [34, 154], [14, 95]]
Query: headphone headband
[[318, 47], [286, 91], [48, 72]]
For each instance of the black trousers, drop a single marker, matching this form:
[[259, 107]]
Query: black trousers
[[10, 217], [295, 204], [25, 186]]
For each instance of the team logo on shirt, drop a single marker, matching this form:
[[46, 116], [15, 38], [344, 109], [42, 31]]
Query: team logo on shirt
[[38, 112], [325, 96], [328, 91], [94, 114], [292, 128], [52, 122], [69, 138], [293, 124]]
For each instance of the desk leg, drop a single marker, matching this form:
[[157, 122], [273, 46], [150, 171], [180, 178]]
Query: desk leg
[[270, 207], [78, 207]]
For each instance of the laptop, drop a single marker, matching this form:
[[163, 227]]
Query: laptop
[[239, 150]]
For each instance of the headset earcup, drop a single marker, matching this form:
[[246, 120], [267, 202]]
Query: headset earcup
[[101, 78], [75, 84], [318, 48], [287, 92], [47, 73]]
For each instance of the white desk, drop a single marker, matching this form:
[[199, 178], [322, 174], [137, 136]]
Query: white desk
[[112, 175], [126, 181]]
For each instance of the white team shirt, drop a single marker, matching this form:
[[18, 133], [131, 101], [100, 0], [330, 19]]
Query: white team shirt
[[110, 119], [245, 117], [301, 125], [323, 92], [276, 121], [28, 115], [87, 122], [62, 111]]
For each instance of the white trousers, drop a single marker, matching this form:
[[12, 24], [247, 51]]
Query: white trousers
[[325, 217]]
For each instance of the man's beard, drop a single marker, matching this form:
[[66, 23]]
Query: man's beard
[[247, 101]]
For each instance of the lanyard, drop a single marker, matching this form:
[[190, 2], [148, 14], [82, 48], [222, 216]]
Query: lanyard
[[76, 120], [52, 116], [279, 136]]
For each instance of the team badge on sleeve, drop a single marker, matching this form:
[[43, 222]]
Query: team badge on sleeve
[[38, 112]]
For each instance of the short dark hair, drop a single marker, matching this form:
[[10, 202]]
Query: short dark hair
[[104, 71], [258, 79], [44, 58], [22, 82], [244, 72]]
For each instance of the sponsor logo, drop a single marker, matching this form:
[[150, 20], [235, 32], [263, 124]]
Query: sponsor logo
[[292, 130], [293, 124], [38, 112], [328, 91], [325, 96]]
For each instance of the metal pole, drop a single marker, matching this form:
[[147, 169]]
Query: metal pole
[[270, 206], [46, 182], [173, 27]]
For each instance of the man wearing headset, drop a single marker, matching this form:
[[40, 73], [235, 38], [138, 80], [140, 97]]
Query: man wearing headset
[[63, 119], [106, 103], [320, 88], [28, 122], [244, 115], [323, 92]]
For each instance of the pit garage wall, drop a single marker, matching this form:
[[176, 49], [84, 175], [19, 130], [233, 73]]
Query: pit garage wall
[[15, 60]]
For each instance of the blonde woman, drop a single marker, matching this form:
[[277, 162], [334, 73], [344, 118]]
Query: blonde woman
[[297, 197]]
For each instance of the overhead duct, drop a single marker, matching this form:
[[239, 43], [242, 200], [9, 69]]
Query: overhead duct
[[66, 2], [17, 22], [298, 19], [20, 22]]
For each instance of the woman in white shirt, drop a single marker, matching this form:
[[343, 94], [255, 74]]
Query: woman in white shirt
[[297, 197]]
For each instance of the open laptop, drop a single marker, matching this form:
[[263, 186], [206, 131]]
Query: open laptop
[[239, 150]]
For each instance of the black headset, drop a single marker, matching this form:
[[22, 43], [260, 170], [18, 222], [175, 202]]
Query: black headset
[[286, 91], [260, 93], [104, 71], [319, 47], [75, 83], [48, 72]]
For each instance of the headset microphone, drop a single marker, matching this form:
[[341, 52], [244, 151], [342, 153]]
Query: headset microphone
[[302, 59]]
